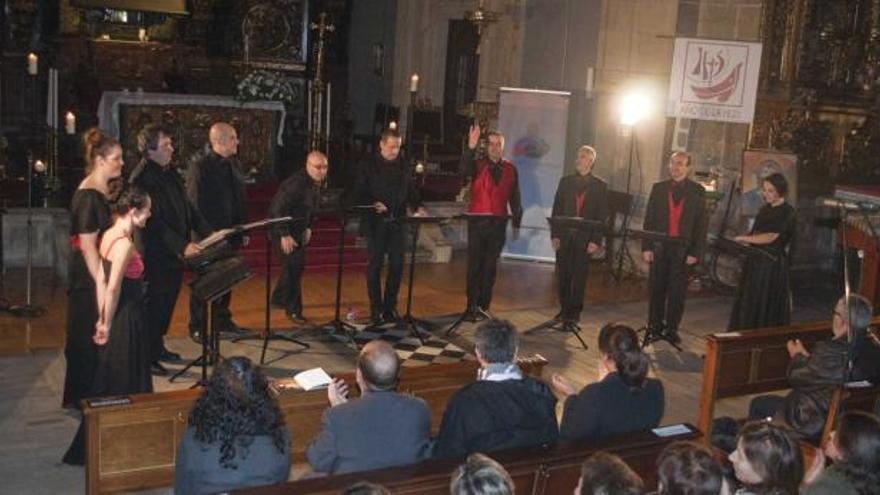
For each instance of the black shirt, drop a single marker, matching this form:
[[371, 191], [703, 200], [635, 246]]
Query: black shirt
[[215, 186], [297, 197], [388, 182]]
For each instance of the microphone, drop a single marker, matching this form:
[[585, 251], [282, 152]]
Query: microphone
[[848, 205]]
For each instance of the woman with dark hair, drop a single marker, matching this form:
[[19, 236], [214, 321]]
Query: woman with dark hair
[[605, 474], [767, 460], [236, 435], [814, 374], [764, 295], [120, 333], [689, 468], [623, 400], [855, 450], [89, 217]]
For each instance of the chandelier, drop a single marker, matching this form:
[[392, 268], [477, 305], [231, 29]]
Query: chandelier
[[481, 18]]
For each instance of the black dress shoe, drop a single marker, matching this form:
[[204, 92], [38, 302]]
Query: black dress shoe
[[156, 369], [297, 317], [233, 331], [169, 356], [391, 316], [672, 336], [376, 319]]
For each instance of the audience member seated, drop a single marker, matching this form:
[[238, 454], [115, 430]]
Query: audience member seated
[[236, 436], [606, 474], [689, 468], [503, 408], [365, 488], [855, 450], [623, 400], [767, 460], [815, 374], [480, 475], [379, 429]]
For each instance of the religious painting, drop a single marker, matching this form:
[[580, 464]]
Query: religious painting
[[274, 34], [756, 166]]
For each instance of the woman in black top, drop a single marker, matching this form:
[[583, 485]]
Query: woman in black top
[[89, 217], [764, 295], [622, 401]]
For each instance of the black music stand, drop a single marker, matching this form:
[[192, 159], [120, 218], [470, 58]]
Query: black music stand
[[739, 249], [481, 314], [336, 324], [234, 271], [408, 319], [655, 334], [268, 333], [572, 225]]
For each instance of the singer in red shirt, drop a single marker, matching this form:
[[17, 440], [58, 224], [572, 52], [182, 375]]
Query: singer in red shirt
[[676, 207], [581, 195], [494, 188]]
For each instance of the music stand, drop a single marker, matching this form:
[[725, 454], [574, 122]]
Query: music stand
[[411, 322], [336, 324], [467, 316], [739, 249], [572, 225], [212, 282], [655, 334], [268, 334]]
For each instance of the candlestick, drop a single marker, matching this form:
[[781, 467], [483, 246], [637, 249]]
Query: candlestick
[[414, 83], [32, 64], [70, 123]]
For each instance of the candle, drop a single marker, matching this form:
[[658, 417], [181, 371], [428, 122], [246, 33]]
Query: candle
[[142, 34], [32, 64], [392, 125], [414, 83], [70, 123]]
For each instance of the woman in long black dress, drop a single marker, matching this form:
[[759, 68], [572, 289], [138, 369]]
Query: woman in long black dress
[[123, 365], [89, 217], [764, 295]]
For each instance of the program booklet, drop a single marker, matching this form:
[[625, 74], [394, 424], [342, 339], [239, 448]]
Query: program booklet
[[312, 379]]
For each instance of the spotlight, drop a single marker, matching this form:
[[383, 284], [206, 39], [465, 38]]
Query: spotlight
[[634, 107]]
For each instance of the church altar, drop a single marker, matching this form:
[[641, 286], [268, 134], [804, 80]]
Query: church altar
[[260, 125]]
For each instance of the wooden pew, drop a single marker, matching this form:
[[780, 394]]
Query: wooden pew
[[751, 362], [133, 446], [535, 470]]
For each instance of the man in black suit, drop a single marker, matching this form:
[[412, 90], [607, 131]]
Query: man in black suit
[[582, 195], [166, 239], [215, 186], [676, 207], [297, 197], [384, 181], [357, 435]]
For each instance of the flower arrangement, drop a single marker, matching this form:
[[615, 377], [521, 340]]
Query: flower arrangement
[[265, 85]]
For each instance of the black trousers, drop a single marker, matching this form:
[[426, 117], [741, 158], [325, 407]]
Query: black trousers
[[288, 289], [163, 287], [485, 241], [384, 238], [667, 284], [572, 266], [220, 315]]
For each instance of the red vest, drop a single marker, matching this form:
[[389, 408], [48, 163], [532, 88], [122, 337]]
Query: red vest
[[675, 210], [486, 197]]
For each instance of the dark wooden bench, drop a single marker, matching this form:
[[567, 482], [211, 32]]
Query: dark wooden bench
[[756, 362], [535, 470], [133, 446]]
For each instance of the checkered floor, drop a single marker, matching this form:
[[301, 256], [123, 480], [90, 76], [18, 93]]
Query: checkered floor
[[408, 347]]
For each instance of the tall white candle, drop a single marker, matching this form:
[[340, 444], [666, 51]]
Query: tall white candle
[[70, 123], [32, 63], [414, 83]]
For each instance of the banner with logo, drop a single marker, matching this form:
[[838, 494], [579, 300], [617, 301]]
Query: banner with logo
[[534, 124], [714, 80]]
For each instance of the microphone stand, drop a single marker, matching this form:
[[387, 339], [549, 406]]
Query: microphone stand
[[28, 309]]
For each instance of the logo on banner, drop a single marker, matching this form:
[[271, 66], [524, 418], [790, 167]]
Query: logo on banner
[[714, 80]]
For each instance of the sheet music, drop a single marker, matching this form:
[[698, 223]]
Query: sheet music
[[219, 235]]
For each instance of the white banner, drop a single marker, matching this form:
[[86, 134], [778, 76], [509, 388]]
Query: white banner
[[714, 80], [534, 124]]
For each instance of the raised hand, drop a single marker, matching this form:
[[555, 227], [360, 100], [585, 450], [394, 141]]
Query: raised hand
[[473, 136]]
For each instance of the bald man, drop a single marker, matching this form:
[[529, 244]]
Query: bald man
[[379, 429], [297, 197], [215, 186]]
